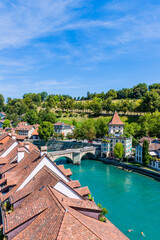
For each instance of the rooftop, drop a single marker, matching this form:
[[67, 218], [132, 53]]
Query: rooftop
[[116, 120]]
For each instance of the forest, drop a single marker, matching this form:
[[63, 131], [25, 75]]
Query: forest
[[91, 113]]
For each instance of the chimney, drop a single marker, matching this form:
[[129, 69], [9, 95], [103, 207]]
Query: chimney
[[20, 154], [43, 150]]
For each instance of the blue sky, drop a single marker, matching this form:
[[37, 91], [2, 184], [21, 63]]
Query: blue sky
[[75, 46]]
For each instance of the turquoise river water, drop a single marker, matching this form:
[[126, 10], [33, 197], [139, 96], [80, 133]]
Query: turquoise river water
[[133, 200]]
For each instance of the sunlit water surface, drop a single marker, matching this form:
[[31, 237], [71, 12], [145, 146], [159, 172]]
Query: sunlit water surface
[[133, 200]]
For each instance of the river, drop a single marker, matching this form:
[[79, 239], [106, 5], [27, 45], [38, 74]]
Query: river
[[133, 200]]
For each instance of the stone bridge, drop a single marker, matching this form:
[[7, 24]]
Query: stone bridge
[[74, 155]]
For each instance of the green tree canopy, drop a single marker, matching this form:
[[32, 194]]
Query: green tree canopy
[[31, 117], [96, 106], [6, 123], [118, 150], [145, 153], [45, 130], [151, 101]]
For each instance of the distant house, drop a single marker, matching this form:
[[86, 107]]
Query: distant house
[[1, 123], [154, 152], [2, 115], [23, 128], [116, 136], [63, 128], [35, 134]]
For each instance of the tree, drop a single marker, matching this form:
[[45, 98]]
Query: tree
[[45, 130], [151, 101], [88, 130], [44, 96], [145, 154], [50, 117], [139, 90], [101, 126], [1, 102], [108, 105], [111, 93], [154, 86], [31, 117], [119, 150], [96, 106], [6, 123]]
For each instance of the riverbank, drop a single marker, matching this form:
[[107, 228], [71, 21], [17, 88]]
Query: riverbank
[[140, 169], [129, 197]]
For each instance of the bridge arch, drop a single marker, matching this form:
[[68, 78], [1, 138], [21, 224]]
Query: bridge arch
[[88, 155], [63, 160]]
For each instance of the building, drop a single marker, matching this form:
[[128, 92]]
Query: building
[[115, 135], [23, 128], [154, 152], [40, 201], [2, 115], [1, 123], [35, 134], [62, 128]]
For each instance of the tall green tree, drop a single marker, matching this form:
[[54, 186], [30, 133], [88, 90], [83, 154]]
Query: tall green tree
[[151, 101], [45, 130], [31, 117], [1, 102], [118, 150], [96, 105], [6, 123], [145, 153]]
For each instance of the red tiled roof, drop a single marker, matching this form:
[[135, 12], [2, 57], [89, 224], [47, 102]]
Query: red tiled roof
[[74, 184], [83, 191], [3, 113], [67, 171], [54, 219], [152, 146], [35, 132], [116, 120], [20, 137]]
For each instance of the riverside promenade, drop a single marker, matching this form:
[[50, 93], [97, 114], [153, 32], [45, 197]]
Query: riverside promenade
[[139, 169]]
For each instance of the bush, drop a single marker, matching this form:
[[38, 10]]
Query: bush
[[90, 198], [103, 219], [82, 114]]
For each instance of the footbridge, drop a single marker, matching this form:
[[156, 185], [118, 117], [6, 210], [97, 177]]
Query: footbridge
[[74, 155]]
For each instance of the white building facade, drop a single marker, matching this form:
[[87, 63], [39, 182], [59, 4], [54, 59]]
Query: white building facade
[[115, 132]]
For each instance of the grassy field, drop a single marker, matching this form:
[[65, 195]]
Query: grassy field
[[79, 119]]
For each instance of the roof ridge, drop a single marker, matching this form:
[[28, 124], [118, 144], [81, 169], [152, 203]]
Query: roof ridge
[[52, 193], [84, 223]]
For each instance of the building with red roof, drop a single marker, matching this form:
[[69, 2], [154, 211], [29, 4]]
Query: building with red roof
[[116, 135], [40, 201], [153, 151], [62, 128]]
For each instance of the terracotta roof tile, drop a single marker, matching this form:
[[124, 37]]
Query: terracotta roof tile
[[74, 184], [76, 203], [67, 171], [116, 120], [83, 191], [35, 132]]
